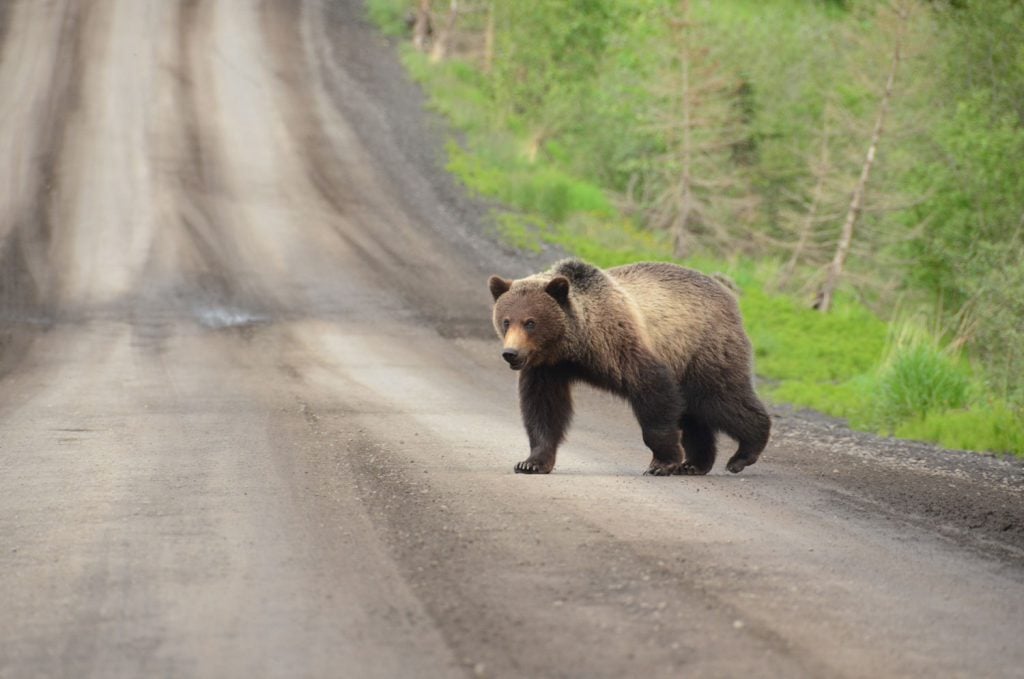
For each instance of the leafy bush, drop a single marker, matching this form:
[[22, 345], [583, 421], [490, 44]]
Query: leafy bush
[[389, 15]]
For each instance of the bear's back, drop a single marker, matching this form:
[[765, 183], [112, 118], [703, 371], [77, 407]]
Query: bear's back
[[683, 311]]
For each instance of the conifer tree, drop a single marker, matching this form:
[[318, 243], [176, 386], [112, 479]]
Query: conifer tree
[[698, 191]]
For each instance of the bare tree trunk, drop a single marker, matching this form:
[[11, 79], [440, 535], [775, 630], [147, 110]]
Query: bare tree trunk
[[440, 49], [421, 29], [835, 270]]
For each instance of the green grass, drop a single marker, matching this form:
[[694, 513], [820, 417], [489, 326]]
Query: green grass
[[996, 427], [536, 188], [917, 381], [892, 378], [457, 91], [818, 361], [388, 15]]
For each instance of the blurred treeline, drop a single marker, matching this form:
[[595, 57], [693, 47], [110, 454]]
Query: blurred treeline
[[870, 146]]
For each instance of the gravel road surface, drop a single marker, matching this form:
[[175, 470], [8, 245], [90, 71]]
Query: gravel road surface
[[253, 421]]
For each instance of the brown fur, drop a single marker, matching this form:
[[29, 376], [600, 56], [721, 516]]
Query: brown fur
[[668, 339]]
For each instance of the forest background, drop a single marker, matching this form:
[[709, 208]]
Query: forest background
[[857, 167]]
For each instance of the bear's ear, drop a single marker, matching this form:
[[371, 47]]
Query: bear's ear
[[559, 289], [499, 286]]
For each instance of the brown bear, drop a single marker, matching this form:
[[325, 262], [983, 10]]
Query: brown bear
[[670, 340]]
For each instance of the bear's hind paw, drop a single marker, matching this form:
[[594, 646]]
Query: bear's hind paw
[[740, 462]]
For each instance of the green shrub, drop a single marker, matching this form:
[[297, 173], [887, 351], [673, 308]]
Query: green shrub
[[389, 15], [554, 194], [919, 380]]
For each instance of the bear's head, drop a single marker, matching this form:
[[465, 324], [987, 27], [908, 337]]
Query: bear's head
[[530, 317]]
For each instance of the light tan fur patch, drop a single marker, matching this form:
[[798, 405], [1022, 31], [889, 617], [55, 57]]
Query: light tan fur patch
[[516, 338]]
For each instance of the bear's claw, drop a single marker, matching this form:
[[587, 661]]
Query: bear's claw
[[662, 469], [531, 467], [689, 469]]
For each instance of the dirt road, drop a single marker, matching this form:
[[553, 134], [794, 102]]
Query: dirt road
[[252, 421]]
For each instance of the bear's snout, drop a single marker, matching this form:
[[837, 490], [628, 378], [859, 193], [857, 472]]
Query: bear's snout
[[512, 356]]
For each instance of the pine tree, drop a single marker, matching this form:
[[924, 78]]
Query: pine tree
[[698, 192]]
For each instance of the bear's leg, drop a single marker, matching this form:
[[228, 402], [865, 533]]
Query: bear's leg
[[664, 443], [750, 425], [699, 444], [657, 404], [545, 401]]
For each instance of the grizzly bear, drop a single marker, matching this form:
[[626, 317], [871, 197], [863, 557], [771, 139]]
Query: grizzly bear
[[668, 339]]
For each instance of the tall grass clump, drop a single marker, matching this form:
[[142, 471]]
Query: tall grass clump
[[927, 392], [917, 376], [918, 380]]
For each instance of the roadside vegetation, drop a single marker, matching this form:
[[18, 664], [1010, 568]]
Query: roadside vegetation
[[854, 166]]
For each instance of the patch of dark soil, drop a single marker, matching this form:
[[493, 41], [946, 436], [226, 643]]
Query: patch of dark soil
[[972, 498]]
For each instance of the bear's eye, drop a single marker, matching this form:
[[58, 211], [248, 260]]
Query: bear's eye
[[529, 325], [504, 325]]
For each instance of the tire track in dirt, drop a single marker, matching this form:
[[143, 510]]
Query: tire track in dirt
[[155, 503], [384, 211], [35, 117], [206, 268], [106, 217]]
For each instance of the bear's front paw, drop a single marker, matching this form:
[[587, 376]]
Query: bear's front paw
[[690, 469], [662, 469], [532, 466]]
